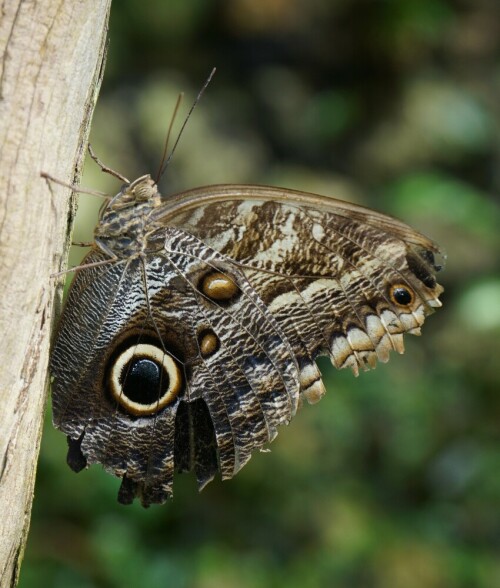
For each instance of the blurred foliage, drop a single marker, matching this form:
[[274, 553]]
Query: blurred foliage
[[393, 480]]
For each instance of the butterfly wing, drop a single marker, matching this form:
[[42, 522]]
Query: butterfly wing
[[340, 279], [239, 289]]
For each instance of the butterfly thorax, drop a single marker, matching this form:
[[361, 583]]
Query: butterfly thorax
[[124, 221]]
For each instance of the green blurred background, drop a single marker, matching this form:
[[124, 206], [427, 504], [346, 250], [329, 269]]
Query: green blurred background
[[393, 480]]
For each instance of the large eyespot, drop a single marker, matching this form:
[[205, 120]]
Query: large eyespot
[[219, 287], [401, 295], [144, 379]]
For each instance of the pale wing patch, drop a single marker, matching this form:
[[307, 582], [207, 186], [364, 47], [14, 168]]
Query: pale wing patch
[[286, 300], [311, 291], [318, 232], [311, 384], [414, 319], [281, 247]]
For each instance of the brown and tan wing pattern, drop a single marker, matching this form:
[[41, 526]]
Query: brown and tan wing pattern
[[237, 373], [340, 279], [191, 346]]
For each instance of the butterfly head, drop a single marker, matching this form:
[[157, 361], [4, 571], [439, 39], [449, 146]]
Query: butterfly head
[[123, 220], [142, 190]]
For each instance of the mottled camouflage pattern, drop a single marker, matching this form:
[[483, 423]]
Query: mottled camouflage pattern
[[314, 276]]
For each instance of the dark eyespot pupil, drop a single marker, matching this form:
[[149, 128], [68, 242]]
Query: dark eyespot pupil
[[144, 380], [402, 295]]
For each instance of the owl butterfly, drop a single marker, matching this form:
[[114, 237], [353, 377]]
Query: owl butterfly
[[191, 331]]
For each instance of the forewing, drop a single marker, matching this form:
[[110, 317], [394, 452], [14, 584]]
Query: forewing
[[339, 279]]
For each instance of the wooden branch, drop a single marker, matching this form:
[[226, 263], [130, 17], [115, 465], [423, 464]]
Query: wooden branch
[[52, 62]]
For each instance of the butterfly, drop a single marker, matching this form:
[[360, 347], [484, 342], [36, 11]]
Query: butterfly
[[191, 330]]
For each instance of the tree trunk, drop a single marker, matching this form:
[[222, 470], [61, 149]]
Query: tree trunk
[[52, 63]]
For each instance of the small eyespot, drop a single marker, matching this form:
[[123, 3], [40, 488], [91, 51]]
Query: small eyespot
[[401, 295], [219, 287], [209, 343], [144, 379]]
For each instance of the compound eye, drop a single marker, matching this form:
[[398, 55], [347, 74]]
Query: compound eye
[[401, 295], [144, 379]]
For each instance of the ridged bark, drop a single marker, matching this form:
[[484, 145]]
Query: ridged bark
[[52, 63]]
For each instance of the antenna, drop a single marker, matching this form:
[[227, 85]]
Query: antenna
[[164, 154], [195, 103]]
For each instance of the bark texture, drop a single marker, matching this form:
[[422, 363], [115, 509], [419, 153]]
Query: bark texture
[[52, 56]]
